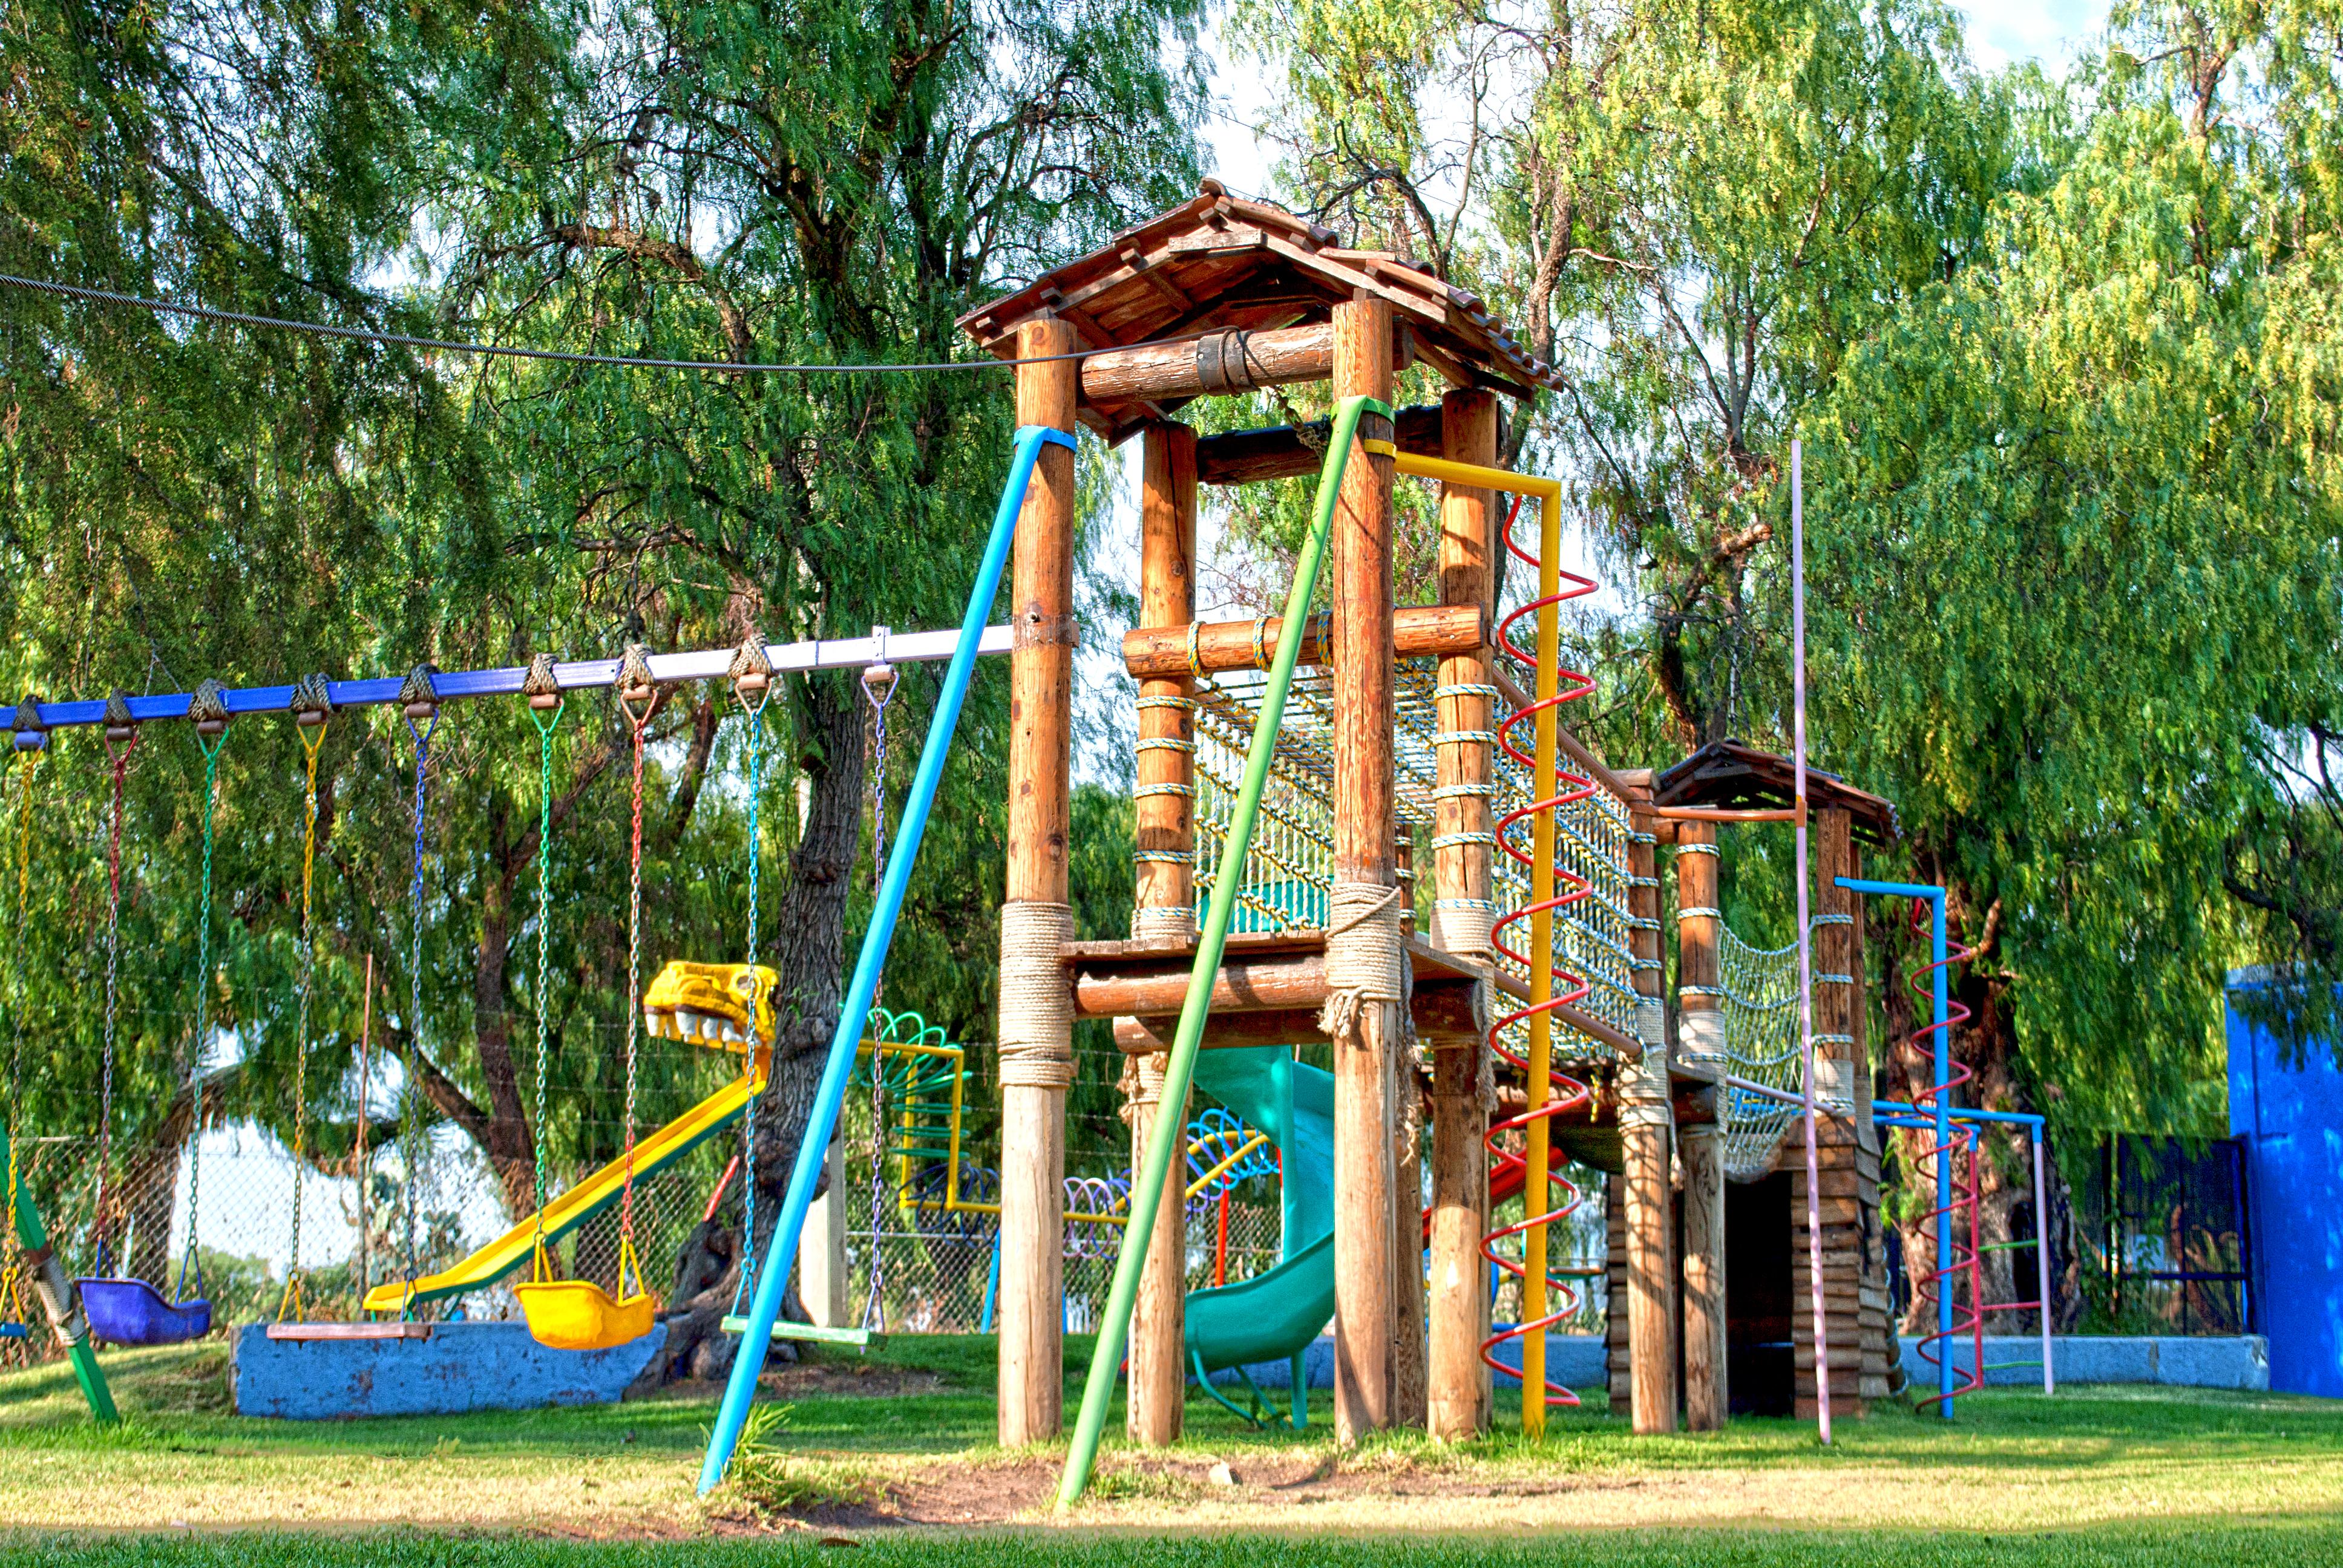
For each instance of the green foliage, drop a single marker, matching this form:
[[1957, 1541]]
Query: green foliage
[[682, 180], [2064, 359]]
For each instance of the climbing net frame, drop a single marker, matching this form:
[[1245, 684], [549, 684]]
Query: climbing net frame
[[1289, 871]]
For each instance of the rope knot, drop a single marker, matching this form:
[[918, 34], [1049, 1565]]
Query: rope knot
[[121, 729], [752, 669], [1366, 953], [1037, 997], [418, 695], [208, 708], [636, 686], [32, 734], [313, 701], [540, 685]]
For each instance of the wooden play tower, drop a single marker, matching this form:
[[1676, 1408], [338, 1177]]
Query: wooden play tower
[[1388, 761]]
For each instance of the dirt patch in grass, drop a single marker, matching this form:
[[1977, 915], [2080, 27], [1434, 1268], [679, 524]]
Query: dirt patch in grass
[[820, 1379]]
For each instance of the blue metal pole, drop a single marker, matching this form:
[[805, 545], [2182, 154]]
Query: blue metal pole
[[1940, 996], [781, 1252]]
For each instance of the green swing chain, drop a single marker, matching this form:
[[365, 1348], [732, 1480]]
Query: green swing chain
[[210, 747], [545, 721], [313, 740], [32, 762], [635, 722], [755, 713]]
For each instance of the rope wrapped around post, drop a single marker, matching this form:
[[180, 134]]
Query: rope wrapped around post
[[1167, 923], [1366, 953], [1036, 1000]]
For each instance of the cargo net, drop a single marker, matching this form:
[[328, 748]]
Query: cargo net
[[1759, 998], [1288, 872]]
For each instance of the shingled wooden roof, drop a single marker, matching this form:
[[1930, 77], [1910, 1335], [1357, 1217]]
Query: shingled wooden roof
[[1221, 261], [1734, 777]]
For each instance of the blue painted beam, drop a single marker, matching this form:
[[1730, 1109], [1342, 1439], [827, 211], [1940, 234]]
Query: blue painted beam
[[708, 664]]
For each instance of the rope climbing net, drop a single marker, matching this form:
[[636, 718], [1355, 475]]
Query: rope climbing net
[[1289, 873], [1758, 998]]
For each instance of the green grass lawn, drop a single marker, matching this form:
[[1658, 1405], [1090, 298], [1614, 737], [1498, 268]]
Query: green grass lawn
[[895, 1454]]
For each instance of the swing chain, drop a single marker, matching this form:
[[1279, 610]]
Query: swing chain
[[634, 687], [31, 739], [543, 690], [313, 709], [211, 737], [420, 700], [751, 674], [121, 740], [879, 686]]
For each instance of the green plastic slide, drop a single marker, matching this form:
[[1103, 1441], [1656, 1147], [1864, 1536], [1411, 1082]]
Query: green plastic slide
[[1274, 1315]]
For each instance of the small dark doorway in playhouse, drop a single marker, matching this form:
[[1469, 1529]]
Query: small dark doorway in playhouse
[[1760, 1362]]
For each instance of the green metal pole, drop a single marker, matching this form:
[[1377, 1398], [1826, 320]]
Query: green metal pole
[[1178, 1073], [57, 1293]]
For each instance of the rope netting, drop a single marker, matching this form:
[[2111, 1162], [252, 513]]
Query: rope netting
[[1289, 872], [1758, 998]]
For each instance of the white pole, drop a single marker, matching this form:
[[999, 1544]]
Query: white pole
[[1805, 949]]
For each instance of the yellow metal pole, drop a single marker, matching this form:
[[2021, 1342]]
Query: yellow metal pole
[[1537, 1190]]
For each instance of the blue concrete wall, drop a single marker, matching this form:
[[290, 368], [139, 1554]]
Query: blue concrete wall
[[461, 1367], [2239, 1362], [2291, 1120]]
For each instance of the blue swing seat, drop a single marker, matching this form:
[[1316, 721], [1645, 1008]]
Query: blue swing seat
[[134, 1312], [15, 1332]]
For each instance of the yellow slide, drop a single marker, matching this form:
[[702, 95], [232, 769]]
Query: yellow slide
[[703, 994]]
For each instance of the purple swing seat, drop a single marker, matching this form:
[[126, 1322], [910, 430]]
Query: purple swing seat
[[134, 1312]]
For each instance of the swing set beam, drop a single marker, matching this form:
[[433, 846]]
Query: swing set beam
[[666, 668]]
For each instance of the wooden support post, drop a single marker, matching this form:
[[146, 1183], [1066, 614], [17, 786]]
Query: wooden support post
[[1458, 1399], [1158, 1372], [1650, 1262], [1365, 817], [1646, 1127], [1410, 1375], [1850, 1173], [1165, 799], [1165, 811], [1036, 1058], [1640, 1216], [1702, 1150]]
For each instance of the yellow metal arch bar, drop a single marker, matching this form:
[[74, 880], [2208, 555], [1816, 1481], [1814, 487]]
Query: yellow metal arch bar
[[1537, 1197]]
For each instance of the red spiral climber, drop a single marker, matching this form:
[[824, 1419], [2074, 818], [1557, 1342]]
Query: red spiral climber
[[1968, 1318], [1568, 787]]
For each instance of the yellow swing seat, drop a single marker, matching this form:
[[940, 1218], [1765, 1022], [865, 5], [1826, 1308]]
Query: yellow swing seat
[[580, 1315]]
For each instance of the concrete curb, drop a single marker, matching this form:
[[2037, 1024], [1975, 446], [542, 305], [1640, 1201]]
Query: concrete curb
[[461, 1367]]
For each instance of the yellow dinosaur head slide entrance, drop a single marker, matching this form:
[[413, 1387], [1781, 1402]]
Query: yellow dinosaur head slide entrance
[[712, 1004]]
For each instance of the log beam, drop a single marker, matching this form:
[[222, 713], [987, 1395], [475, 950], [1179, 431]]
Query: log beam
[[1249, 457], [1161, 649], [1218, 362]]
